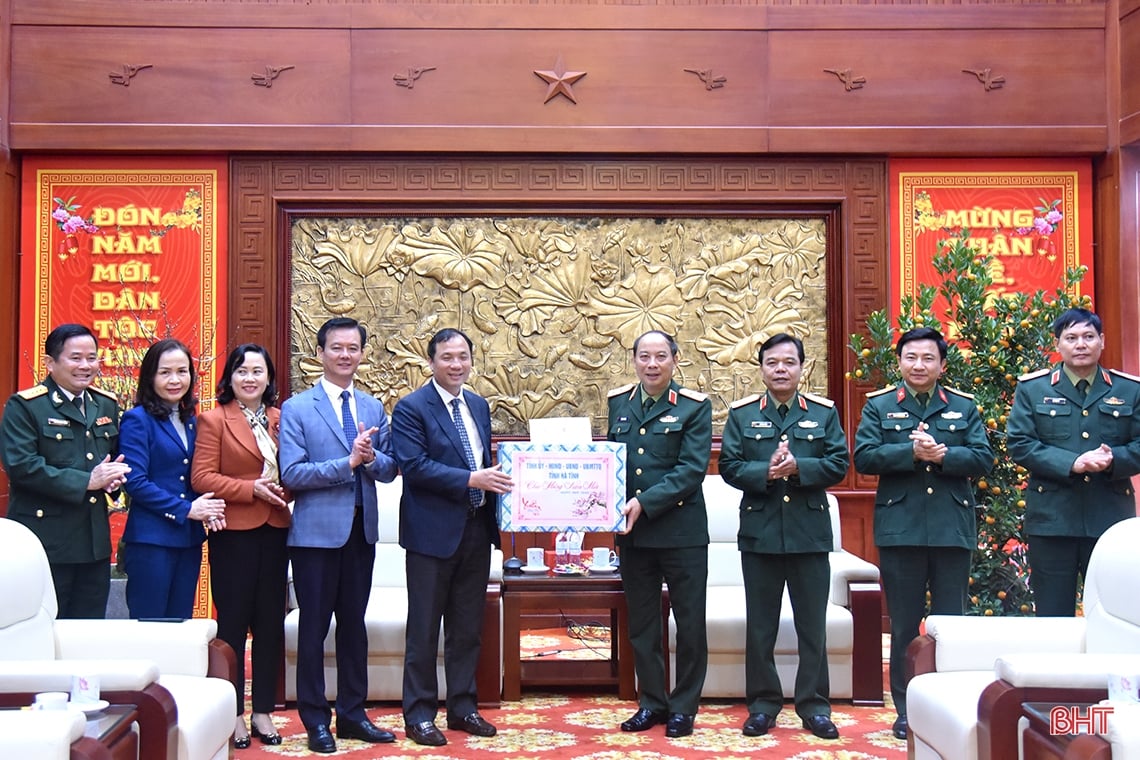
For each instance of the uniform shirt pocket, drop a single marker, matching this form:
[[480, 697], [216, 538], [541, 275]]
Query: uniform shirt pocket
[[1053, 420], [1114, 421], [57, 444]]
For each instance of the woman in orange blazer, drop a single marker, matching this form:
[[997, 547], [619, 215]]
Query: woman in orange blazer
[[236, 458]]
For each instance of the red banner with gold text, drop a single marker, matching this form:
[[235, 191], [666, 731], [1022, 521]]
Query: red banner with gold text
[[1034, 217], [134, 248]]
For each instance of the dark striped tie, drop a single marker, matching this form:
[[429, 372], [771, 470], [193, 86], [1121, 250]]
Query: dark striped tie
[[350, 436], [474, 495]]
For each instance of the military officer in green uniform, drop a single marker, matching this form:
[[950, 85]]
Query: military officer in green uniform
[[1076, 428], [58, 442], [784, 448], [667, 431], [926, 442]]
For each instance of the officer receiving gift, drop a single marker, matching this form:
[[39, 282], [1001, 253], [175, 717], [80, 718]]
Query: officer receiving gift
[[577, 486]]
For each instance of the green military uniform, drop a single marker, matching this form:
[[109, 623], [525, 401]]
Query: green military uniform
[[49, 449], [1051, 423], [785, 536], [925, 526], [667, 456]]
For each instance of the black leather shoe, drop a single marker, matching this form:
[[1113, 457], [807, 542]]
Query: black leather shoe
[[472, 724], [272, 739], [425, 733], [644, 719], [321, 740], [758, 724], [364, 731], [679, 725], [242, 743], [899, 728], [821, 726]]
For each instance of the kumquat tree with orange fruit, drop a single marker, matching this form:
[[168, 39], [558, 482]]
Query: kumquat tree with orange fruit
[[994, 337]]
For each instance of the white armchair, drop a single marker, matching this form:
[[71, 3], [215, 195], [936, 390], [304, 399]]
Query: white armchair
[[973, 673], [47, 735], [854, 639], [184, 712]]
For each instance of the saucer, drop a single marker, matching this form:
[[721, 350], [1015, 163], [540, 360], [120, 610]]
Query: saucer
[[534, 570], [601, 569], [90, 707]]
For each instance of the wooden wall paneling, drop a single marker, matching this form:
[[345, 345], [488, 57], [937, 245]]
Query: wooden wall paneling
[[630, 79], [1126, 73], [185, 86], [635, 96]]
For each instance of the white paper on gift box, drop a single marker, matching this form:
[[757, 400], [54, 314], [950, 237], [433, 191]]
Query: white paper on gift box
[[563, 485]]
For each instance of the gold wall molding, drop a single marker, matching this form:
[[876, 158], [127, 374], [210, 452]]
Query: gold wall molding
[[554, 304]]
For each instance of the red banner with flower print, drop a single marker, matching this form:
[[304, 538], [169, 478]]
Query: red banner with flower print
[[134, 248], [1033, 217]]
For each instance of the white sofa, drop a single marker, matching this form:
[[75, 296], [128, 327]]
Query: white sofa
[[973, 673], [386, 621], [185, 713], [854, 639]]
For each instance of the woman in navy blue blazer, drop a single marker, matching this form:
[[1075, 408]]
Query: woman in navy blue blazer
[[165, 525]]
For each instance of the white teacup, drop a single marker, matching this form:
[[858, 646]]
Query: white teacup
[[85, 687], [1123, 687], [603, 556], [535, 557], [50, 700]]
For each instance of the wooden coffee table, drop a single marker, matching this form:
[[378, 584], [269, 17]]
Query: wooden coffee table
[[1041, 744], [552, 594]]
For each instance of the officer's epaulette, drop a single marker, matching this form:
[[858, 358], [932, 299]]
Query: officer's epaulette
[[881, 391], [1031, 375], [957, 392], [819, 399], [101, 392], [1118, 373], [746, 401], [621, 390], [694, 395], [34, 392]]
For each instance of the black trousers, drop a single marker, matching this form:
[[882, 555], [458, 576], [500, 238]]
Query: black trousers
[[82, 588], [1057, 563], [333, 582], [248, 571], [907, 572], [451, 590]]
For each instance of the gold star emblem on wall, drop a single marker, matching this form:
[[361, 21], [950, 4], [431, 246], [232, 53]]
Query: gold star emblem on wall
[[560, 81]]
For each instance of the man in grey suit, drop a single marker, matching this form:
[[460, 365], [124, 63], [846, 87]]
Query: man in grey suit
[[335, 444]]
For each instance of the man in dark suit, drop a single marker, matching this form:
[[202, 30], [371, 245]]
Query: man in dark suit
[[1076, 428], [926, 442], [667, 431], [334, 445], [441, 434], [784, 448], [59, 441]]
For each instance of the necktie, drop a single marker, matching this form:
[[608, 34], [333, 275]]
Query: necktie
[[350, 436], [923, 399], [474, 495], [1083, 386], [78, 401], [648, 402], [783, 410]]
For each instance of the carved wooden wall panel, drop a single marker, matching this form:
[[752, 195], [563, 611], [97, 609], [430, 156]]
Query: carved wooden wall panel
[[574, 77]]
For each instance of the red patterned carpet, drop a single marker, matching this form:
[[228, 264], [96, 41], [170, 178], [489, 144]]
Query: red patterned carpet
[[584, 726]]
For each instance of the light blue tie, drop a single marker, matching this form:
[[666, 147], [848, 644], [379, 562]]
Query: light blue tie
[[474, 495], [350, 433]]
